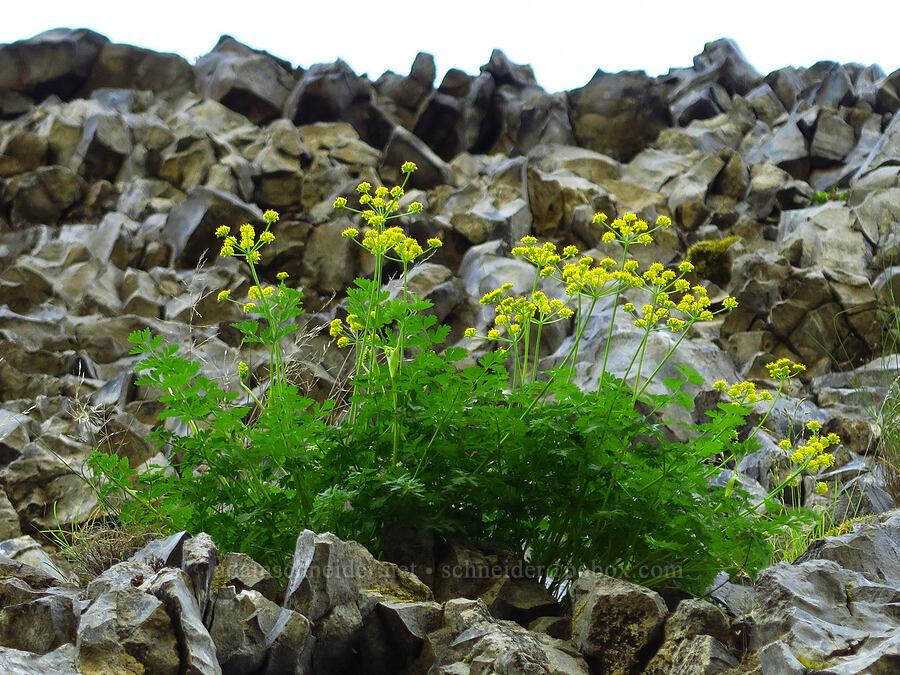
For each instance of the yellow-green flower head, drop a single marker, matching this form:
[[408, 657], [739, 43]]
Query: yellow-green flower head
[[663, 221], [350, 233], [675, 325], [608, 237], [493, 334], [365, 199], [546, 272], [529, 240], [784, 369], [247, 232], [243, 370], [222, 231], [339, 203], [249, 307], [223, 295], [599, 218], [336, 327], [281, 276], [685, 267], [813, 426], [378, 202], [628, 307], [570, 252], [396, 192], [266, 237], [565, 312], [270, 216], [492, 297], [415, 207], [515, 328], [226, 251], [434, 242], [730, 303], [253, 293], [470, 332], [720, 385], [785, 444], [381, 192], [343, 341], [364, 187], [821, 488], [254, 256], [408, 167]]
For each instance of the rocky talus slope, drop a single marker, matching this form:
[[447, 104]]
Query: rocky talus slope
[[118, 163]]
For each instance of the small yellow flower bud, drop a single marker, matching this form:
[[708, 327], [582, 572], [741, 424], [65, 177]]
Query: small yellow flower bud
[[364, 187], [350, 233], [434, 242], [821, 488], [222, 230], [343, 341], [267, 237], [339, 203], [223, 295], [281, 276], [470, 332], [243, 370], [408, 167], [270, 216], [415, 207], [249, 307]]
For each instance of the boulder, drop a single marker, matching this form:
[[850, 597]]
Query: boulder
[[470, 640], [249, 81], [53, 62], [43, 195], [190, 226], [128, 67], [127, 630], [616, 625], [331, 92], [618, 114]]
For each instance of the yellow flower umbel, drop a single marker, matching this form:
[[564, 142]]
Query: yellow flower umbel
[[813, 455]]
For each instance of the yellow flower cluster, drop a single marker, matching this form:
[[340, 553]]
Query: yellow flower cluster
[[742, 393], [347, 330], [381, 242], [814, 454], [629, 229], [382, 203], [513, 313], [257, 293], [248, 246], [784, 369]]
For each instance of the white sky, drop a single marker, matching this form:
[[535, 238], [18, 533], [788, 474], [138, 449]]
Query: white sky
[[565, 41]]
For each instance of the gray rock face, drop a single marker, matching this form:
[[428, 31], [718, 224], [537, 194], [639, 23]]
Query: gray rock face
[[116, 166]]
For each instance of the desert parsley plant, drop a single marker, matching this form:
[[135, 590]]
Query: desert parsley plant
[[499, 449]]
